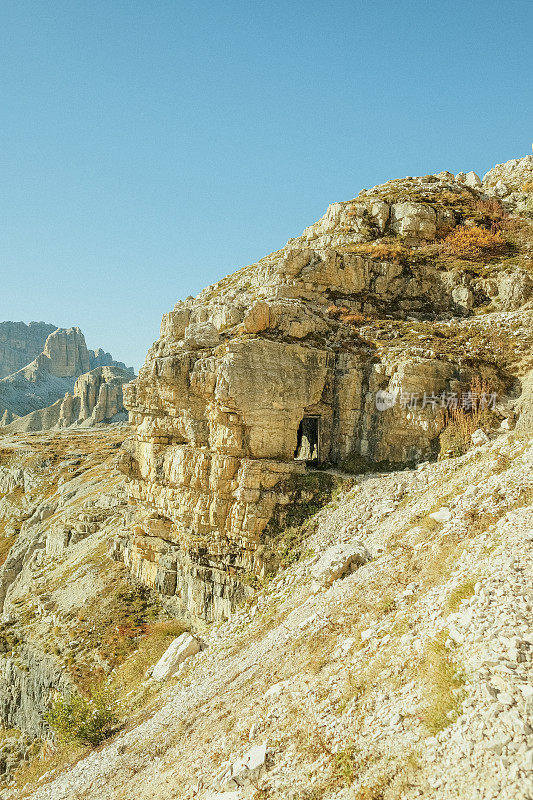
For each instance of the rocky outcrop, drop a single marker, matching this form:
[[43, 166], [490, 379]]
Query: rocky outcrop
[[52, 374], [96, 399], [29, 678], [280, 363], [21, 343], [512, 181]]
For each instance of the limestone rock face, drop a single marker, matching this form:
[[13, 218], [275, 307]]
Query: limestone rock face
[[96, 398], [21, 343], [52, 373], [278, 364], [514, 175], [65, 353]]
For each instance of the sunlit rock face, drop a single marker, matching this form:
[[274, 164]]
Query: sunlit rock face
[[276, 365]]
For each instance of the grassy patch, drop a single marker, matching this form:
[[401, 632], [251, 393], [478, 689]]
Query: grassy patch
[[444, 685], [131, 673], [461, 592]]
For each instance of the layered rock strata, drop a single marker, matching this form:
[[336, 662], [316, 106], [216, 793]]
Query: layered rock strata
[[284, 347]]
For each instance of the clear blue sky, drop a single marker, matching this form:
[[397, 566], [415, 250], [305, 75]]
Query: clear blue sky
[[149, 148]]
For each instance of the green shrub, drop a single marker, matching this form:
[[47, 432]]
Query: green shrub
[[87, 720]]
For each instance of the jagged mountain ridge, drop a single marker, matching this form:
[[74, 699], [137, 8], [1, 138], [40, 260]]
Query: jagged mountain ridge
[[95, 399], [52, 373]]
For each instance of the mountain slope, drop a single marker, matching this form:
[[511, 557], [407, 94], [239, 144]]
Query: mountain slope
[[21, 343], [329, 485], [52, 374], [407, 677]]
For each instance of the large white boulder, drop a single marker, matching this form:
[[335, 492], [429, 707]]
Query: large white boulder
[[247, 769], [181, 648], [338, 561], [473, 180], [442, 515]]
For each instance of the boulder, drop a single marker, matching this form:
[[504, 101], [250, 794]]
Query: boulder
[[479, 437], [442, 515], [248, 769], [473, 180], [339, 561], [181, 648], [414, 220], [199, 335], [462, 297]]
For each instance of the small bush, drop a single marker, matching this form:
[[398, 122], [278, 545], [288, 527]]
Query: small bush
[[473, 243], [87, 720], [460, 423]]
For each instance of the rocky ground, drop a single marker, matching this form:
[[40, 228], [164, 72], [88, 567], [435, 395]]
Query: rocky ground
[[410, 676], [69, 614]]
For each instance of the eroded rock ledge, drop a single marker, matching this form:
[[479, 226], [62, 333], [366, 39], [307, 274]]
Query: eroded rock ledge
[[281, 358]]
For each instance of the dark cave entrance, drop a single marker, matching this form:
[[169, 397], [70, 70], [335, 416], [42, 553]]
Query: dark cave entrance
[[308, 442]]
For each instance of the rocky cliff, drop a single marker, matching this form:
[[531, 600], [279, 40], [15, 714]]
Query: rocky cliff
[[96, 399], [51, 374], [21, 343], [360, 332]]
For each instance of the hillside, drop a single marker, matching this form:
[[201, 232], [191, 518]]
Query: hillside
[[410, 676], [303, 568]]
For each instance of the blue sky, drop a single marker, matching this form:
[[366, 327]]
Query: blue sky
[[149, 148]]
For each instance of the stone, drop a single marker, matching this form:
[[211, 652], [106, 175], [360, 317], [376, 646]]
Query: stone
[[515, 288], [258, 318], [479, 437], [473, 180], [339, 561], [181, 648], [463, 297], [200, 335], [414, 220], [501, 189], [249, 768], [442, 515]]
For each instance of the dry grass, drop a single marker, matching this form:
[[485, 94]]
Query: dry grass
[[393, 250], [153, 644], [461, 592], [459, 423], [473, 243], [444, 685], [49, 760]]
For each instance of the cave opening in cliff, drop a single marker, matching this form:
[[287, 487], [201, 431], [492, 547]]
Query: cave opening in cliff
[[308, 441]]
